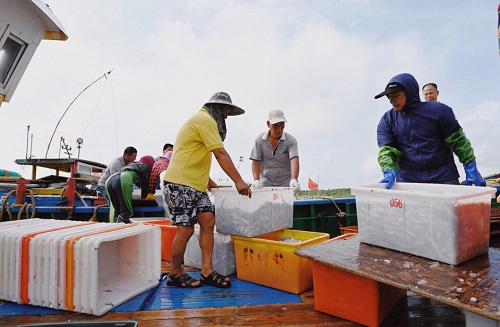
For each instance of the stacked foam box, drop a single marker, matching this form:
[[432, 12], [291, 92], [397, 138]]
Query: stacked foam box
[[77, 266], [223, 260], [270, 209]]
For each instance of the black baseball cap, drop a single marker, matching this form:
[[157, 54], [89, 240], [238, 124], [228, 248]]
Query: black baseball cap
[[390, 88]]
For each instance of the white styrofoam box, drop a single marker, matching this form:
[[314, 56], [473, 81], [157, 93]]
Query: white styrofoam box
[[48, 285], [40, 272], [60, 246], [165, 207], [447, 223], [126, 261], [14, 247], [474, 320], [223, 260], [83, 272], [5, 267], [6, 229], [268, 210], [60, 263]]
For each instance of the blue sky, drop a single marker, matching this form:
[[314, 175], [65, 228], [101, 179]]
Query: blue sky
[[321, 62]]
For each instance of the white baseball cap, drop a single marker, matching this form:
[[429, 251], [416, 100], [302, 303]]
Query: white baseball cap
[[276, 116]]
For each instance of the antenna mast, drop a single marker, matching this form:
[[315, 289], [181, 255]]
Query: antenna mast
[[48, 146]]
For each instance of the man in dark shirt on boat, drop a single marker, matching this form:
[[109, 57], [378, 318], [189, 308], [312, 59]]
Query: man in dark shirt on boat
[[120, 187], [129, 155], [186, 181], [275, 155], [417, 139]]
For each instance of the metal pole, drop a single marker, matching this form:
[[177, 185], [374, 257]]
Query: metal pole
[[60, 147], [318, 184], [31, 146], [27, 140]]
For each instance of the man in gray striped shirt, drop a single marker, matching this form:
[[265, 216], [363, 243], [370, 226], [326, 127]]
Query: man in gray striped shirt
[[275, 155]]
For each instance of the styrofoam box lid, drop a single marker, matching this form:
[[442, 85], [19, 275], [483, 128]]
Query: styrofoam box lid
[[444, 191]]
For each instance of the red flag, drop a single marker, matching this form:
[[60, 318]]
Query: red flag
[[312, 185]]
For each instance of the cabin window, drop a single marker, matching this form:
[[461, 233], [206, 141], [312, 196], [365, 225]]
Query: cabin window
[[10, 55]]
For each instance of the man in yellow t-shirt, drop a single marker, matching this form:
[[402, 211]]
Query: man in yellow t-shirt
[[186, 181]]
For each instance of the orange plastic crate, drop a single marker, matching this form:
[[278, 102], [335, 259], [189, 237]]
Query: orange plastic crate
[[167, 237], [353, 297], [348, 229]]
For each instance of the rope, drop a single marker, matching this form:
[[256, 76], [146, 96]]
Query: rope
[[81, 199], [63, 193], [33, 205], [25, 205], [341, 214], [5, 203], [94, 216]]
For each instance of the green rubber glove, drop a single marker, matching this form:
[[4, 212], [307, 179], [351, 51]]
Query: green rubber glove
[[387, 158], [461, 146]]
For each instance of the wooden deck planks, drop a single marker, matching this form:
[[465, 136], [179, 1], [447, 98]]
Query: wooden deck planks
[[416, 311]]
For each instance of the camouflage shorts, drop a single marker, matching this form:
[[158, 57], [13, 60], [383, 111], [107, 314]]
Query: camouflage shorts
[[184, 203]]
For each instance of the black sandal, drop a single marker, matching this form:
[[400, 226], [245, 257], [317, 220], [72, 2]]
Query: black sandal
[[183, 281], [215, 279]]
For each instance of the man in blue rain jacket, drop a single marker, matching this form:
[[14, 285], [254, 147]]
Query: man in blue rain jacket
[[417, 139]]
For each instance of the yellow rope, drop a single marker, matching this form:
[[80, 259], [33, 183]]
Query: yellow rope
[[33, 205], [94, 216], [63, 191], [25, 205], [5, 204], [21, 211]]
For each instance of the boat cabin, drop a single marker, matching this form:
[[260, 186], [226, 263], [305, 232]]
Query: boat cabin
[[23, 24], [80, 169]]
